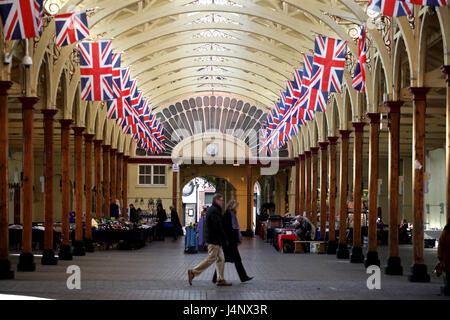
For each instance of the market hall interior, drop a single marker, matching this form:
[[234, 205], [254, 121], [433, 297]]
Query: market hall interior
[[209, 73]]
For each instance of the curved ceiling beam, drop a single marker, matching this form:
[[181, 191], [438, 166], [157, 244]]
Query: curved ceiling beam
[[248, 8], [188, 73], [265, 93], [187, 23], [276, 79], [187, 38], [262, 103], [178, 54], [266, 97]]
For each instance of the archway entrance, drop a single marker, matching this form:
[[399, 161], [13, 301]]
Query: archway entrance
[[198, 193]]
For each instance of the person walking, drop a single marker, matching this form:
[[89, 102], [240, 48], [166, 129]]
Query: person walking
[[162, 217], [175, 220], [443, 254], [234, 235], [216, 238]]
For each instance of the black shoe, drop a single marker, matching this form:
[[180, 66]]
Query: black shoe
[[247, 279]]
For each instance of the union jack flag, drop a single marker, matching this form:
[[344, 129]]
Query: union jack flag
[[116, 106], [391, 8], [311, 99], [272, 120], [22, 19], [116, 74], [96, 71], [71, 27], [282, 106], [359, 78], [329, 59], [125, 74], [429, 3]]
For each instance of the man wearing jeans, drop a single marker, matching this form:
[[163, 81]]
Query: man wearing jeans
[[215, 237]]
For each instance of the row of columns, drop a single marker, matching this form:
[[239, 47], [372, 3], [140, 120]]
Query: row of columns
[[306, 190], [93, 149]]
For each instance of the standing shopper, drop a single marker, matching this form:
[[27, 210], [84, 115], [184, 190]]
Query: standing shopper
[[444, 256], [162, 217], [175, 220], [233, 232], [216, 238]]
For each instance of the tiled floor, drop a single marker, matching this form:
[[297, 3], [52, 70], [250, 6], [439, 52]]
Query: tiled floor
[[158, 271]]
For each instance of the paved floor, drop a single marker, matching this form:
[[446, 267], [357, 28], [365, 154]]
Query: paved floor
[[158, 271]]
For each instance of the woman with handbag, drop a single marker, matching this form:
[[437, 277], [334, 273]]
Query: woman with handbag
[[443, 254], [231, 252]]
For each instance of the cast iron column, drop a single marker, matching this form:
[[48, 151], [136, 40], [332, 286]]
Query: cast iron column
[[302, 185], [394, 266], [65, 250], [342, 251], [315, 177], [88, 139], [106, 182], [419, 271], [5, 264], [332, 244], [323, 190], [308, 184], [98, 178], [26, 260], [48, 256], [78, 245], [446, 70], [372, 254], [125, 186]]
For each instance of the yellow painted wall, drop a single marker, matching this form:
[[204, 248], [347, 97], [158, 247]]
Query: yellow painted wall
[[148, 192]]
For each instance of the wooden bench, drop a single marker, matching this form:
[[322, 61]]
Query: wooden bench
[[298, 246]]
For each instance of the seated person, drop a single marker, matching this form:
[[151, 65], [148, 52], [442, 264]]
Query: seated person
[[304, 229]]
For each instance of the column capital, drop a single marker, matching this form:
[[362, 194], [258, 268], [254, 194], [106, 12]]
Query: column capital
[[78, 131], [333, 140], [88, 137], [324, 145], [419, 93], [394, 106], [315, 150], [65, 123], [98, 143], [4, 87], [374, 118], [28, 102], [302, 156], [359, 126], [106, 148], [49, 114], [345, 134], [113, 151], [120, 154], [446, 71], [126, 158], [307, 153]]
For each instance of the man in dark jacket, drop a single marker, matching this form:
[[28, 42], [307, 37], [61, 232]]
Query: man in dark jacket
[[216, 238]]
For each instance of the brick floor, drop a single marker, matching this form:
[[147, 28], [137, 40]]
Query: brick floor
[[158, 271]]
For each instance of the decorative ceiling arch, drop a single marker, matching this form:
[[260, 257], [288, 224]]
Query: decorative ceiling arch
[[263, 38], [219, 113], [255, 45]]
